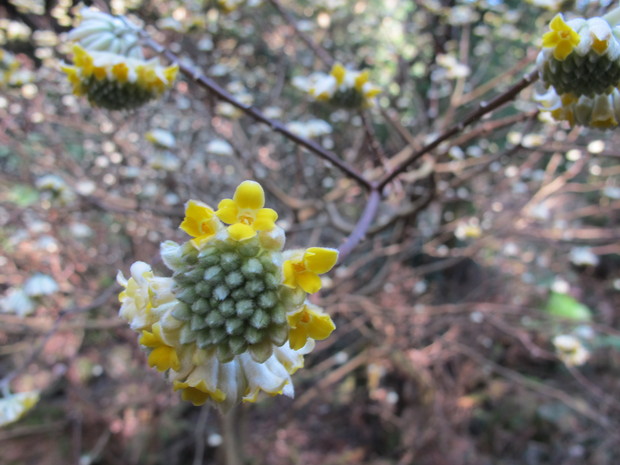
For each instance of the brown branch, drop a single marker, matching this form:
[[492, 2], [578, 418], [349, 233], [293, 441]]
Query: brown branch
[[370, 211], [319, 51], [207, 83], [483, 109]]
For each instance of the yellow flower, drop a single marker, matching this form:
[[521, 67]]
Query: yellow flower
[[303, 268], [245, 212], [561, 37], [199, 393], [339, 72], [309, 322], [163, 357], [136, 298], [200, 222], [364, 87]]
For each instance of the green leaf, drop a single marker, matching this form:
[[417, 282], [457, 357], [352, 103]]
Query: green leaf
[[23, 195], [565, 306]]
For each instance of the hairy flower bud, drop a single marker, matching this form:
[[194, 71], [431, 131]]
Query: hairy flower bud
[[233, 320]]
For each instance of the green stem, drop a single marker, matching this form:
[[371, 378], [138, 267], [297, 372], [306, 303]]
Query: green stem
[[233, 454]]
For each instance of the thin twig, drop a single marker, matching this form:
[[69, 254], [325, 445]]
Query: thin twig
[[276, 126], [483, 109], [372, 205], [319, 51]]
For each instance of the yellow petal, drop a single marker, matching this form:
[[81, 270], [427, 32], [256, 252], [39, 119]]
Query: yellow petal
[[199, 393], [288, 270], [241, 232], [227, 211], [121, 72], [250, 195], [309, 282], [372, 92], [100, 72], [361, 79], [265, 219], [339, 72], [297, 338], [320, 326], [171, 73], [198, 220], [320, 260], [562, 50], [164, 358]]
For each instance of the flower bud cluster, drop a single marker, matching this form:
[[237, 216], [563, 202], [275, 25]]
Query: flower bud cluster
[[109, 67], [342, 87], [232, 320], [580, 67], [105, 33]]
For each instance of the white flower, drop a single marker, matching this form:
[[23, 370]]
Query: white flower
[[56, 189], [583, 256], [166, 161], [102, 32], [570, 350], [143, 292], [311, 128], [40, 285], [14, 406], [220, 147], [161, 138], [18, 302], [468, 230]]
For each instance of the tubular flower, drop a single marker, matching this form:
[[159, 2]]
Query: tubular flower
[[561, 38], [342, 87], [601, 112], [227, 325], [102, 32], [309, 322], [200, 222], [245, 212], [302, 268], [117, 82], [580, 56]]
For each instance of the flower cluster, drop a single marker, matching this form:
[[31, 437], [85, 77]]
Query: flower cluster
[[342, 87], [580, 66], [15, 406], [601, 111], [109, 67], [233, 320]]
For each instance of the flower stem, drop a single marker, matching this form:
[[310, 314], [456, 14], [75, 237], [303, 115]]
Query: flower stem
[[233, 453]]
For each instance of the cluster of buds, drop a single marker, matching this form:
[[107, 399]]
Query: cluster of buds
[[109, 67], [233, 319], [580, 67], [342, 87]]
